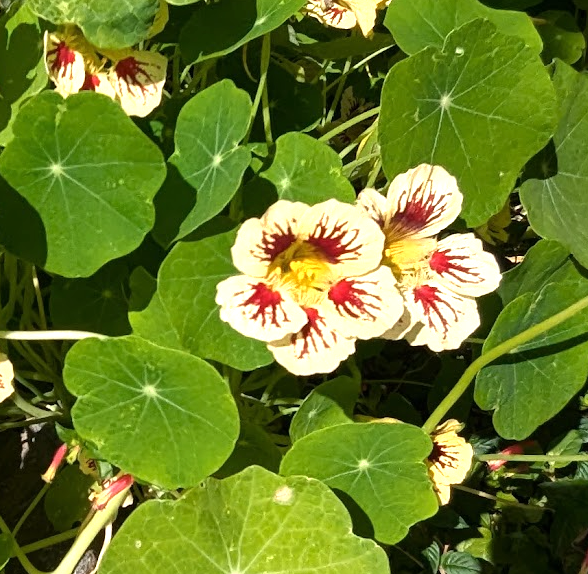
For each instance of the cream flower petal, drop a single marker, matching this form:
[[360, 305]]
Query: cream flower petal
[[99, 83], [317, 348], [347, 238], [6, 377], [461, 264], [254, 309], [334, 15], [65, 65], [366, 306], [446, 318], [365, 12], [260, 241], [374, 204], [138, 78], [422, 202], [405, 323]]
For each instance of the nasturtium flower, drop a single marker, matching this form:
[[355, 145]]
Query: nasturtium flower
[[439, 279], [346, 14], [450, 460], [58, 457], [6, 377], [138, 78], [312, 284], [65, 60]]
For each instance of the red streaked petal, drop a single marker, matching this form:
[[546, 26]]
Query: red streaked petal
[[464, 267], [366, 306], [422, 202], [260, 241], [446, 318], [337, 16], [256, 310], [346, 237], [65, 65], [374, 204], [316, 348]]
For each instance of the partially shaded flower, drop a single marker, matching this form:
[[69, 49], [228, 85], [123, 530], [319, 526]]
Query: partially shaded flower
[[438, 279], [450, 459], [312, 284], [346, 14], [111, 489], [516, 448], [6, 377], [58, 458], [138, 78], [65, 60]]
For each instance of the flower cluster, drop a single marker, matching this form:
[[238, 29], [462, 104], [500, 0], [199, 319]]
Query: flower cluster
[[133, 77], [316, 279], [346, 14]]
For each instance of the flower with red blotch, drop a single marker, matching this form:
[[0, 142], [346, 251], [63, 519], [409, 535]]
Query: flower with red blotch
[[439, 279], [65, 60], [312, 284], [346, 14], [138, 78], [450, 460]]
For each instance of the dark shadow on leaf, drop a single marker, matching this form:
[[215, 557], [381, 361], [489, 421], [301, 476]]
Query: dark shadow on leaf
[[22, 232], [362, 525], [542, 165]]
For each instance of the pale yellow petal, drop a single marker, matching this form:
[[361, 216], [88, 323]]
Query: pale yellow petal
[[365, 12], [99, 83], [260, 241], [348, 239], [64, 64], [138, 80], [422, 202], [331, 14], [6, 377], [255, 309], [460, 263], [317, 348], [366, 306], [374, 204]]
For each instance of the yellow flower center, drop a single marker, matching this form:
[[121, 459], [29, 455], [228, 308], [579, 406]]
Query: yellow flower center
[[408, 256]]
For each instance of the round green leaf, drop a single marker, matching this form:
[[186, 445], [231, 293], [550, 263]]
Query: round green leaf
[[417, 24], [89, 172], [379, 465], [183, 313], [557, 206], [242, 21], [254, 522], [535, 381], [327, 405], [162, 415], [307, 170], [457, 106], [209, 129], [105, 23], [561, 36]]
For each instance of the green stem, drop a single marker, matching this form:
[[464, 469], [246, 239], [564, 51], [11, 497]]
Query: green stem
[[50, 541], [349, 167], [339, 92], [350, 122], [374, 173], [534, 457], [49, 335], [31, 507], [17, 550], [491, 355], [265, 109], [259, 93], [28, 408]]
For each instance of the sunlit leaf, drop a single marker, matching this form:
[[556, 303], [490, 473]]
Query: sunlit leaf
[[183, 313], [457, 106], [89, 172], [252, 522], [209, 129], [380, 466], [561, 36], [557, 206], [163, 415]]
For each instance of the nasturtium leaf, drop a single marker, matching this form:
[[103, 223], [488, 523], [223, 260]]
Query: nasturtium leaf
[[456, 106], [242, 21], [105, 23], [5, 549], [557, 206], [162, 415], [67, 502], [207, 155], [89, 172], [418, 24], [98, 303], [254, 522], [183, 313], [347, 47], [460, 563], [143, 286], [254, 447], [561, 36], [182, 2], [379, 465], [541, 262], [329, 404], [512, 4], [534, 382], [307, 170]]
